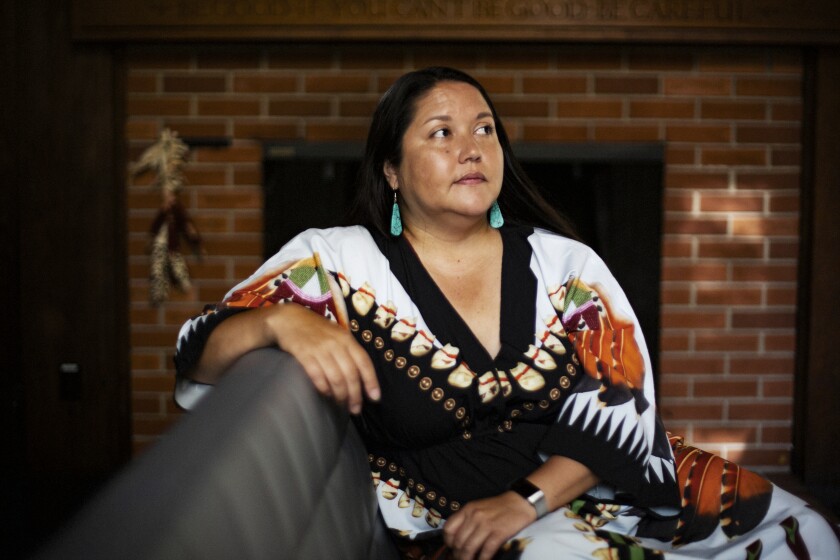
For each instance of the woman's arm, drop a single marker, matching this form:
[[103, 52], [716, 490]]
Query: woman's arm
[[482, 526], [337, 365]]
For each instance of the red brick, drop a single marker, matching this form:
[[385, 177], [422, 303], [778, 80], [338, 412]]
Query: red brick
[[251, 152], [733, 110], [674, 342], [728, 295], [690, 363], [146, 404], [442, 54], [158, 106], [784, 249], [363, 56], [770, 181], [767, 134], [627, 86], [676, 201], [153, 382], [228, 107], [733, 156], [521, 57], [778, 388], [337, 83], [761, 411], [786, 112], [760, 272], [627, 133], [698, 133], [136, 129], [729, 249], [675, 155], [695, 225], [702, 85], [726, 388], [761, 365], [300, 107], [265, 129], [693, 319], [194, 83], [763, 319], [739, 202], [662, 109], [356, 108], [726, 342], [264, 82], [673, 388], [766, 226], [248, 223], [247, 175], [142, 315], [157, 336], [509, 108], [785, 157], [784, 202], [676, 248], [673, 411], [228, 199], [337, 130], [554, 84], [696, 180], [555, 133], [781, 296], [680, 295], [588, 109], [238, 244], [779, 342], [589, 57], [776, 434], [195, 128], [724, 434], [143, 361], [693, 272], [769, 87]]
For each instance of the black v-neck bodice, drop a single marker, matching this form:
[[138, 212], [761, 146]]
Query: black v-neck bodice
[[516, 316]]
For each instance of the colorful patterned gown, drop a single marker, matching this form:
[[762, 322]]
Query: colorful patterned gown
[[572, 378]]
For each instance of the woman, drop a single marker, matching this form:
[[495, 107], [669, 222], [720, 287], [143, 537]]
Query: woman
[[496, 373]]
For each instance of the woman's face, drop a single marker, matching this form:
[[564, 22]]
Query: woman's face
[[452, 162]]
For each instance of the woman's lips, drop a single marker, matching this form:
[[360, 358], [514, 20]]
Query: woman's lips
[[471, 179]]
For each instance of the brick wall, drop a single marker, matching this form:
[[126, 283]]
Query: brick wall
[[730, 119]]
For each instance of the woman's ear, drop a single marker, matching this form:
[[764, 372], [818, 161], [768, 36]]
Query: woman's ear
[[391, 175]]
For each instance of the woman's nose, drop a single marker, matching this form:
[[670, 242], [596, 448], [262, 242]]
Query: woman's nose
[[470, 150]]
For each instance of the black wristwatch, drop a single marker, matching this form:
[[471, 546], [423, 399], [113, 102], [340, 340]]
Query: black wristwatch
[[534, 495]]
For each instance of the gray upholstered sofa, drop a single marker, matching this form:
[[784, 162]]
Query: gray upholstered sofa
[[262, 468]]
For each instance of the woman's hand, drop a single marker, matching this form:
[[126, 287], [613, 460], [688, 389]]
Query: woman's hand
[[337, 365], [478, 529]]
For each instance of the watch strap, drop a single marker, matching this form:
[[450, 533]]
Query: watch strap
[[532, 494]]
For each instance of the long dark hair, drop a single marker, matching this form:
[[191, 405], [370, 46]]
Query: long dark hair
[[520, 199]]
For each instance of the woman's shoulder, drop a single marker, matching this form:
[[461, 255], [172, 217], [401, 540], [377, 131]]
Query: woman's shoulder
[[543, 239]]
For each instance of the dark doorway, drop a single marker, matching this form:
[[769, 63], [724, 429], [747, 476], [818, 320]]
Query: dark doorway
[[612, 193]]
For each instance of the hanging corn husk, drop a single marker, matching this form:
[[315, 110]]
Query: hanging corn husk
[[172, 223]]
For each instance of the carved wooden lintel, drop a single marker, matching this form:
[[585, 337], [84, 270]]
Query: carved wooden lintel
[[721, 21]]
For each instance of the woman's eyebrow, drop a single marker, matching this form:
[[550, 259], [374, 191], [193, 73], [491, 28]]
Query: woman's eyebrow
[[482, 115]]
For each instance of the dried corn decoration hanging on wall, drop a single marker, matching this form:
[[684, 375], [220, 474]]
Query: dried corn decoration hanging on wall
[[168, 267]]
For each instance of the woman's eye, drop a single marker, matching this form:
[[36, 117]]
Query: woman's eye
[[487, 129], [443, 132]]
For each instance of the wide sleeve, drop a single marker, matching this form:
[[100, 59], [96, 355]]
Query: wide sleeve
[[294, 275], [609, 421]]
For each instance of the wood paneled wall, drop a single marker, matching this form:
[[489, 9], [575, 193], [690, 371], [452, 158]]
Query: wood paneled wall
[[64, 272]]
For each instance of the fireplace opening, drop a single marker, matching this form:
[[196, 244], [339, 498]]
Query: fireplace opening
[[611, 192]]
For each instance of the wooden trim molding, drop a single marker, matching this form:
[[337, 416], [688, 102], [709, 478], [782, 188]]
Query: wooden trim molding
[[675, 21]]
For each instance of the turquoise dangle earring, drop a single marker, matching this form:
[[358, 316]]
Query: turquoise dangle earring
[[396, 221], [496, 219]]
